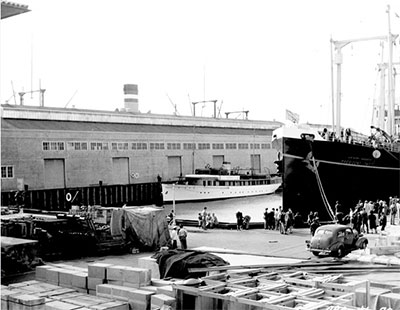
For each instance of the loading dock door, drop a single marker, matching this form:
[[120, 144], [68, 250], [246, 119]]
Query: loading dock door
[[256, 163], [174, 167], [218, 160], [120, 170], [54, 173]]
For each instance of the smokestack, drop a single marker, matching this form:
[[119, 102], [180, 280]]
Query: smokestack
[[131, 100]]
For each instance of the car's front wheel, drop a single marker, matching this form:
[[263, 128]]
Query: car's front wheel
[[364, 245], [340, 251]]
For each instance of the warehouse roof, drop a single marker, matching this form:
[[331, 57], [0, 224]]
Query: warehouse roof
[[57, 125], [96, 116]]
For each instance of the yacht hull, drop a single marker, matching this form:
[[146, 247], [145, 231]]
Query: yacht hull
[[181, 192]]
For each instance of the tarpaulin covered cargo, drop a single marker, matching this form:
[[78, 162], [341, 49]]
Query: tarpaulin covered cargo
[[176, 263], [143, 226]]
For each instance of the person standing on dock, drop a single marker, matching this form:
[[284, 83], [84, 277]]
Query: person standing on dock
[[289, 218], [393, 212], [282, 222], [372, 221], [271, 219], [204, 218], [171, 217], [182, 234], [314, 224], [174, 237], [277, 216], [266, 214], [382, 221], [239, 220], [200, 220]]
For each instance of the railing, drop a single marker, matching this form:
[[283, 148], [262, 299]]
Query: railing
[[61, 199], [394, 147]]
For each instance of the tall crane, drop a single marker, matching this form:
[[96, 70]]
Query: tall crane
[[339, 60]]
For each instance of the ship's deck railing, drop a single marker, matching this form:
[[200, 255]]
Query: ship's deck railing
[[369, 142]]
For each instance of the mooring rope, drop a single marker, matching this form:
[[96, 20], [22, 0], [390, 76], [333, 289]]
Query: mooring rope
[[321, 190]]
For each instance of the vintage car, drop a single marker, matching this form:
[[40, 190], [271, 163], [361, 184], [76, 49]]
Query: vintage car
[[336, 240]]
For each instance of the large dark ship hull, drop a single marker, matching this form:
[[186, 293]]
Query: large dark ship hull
[[318, 173]]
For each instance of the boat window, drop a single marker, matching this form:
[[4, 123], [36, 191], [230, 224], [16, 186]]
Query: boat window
[[222, 183], [204, 183]]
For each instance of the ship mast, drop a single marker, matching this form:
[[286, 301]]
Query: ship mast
[[390, 119], [339, 60]]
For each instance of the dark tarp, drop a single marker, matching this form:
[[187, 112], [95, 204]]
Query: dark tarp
[[143, 226], [176, 263]]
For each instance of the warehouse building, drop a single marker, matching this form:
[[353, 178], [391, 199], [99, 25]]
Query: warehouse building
[[46, 148]]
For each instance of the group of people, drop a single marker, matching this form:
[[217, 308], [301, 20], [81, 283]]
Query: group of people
[[178, 233], [207, 220], [242, 222], [369, 216], [365, 217], [279, 219]]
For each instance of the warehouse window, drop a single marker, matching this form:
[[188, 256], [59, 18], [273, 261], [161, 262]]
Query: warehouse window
[[98, 146], [230, 146], [7, 172], [218, 146], [189, 146], [265, 145], [204, 146], [77, 146], [156, 146], [243, 146], [173, 146], [122, 146], [255, 146], [139, 146], [53, 146]]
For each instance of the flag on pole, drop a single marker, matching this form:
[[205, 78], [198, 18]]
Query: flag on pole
[[293, 117]]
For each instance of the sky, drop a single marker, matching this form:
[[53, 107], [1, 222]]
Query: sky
[[260, 56]]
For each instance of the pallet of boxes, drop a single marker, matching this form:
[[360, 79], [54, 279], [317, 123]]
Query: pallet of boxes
[[100, 286]]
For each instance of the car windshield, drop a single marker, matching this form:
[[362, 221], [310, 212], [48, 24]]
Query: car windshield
[[323, 232]]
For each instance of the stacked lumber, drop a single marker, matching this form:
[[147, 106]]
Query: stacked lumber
[[283, 291]]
